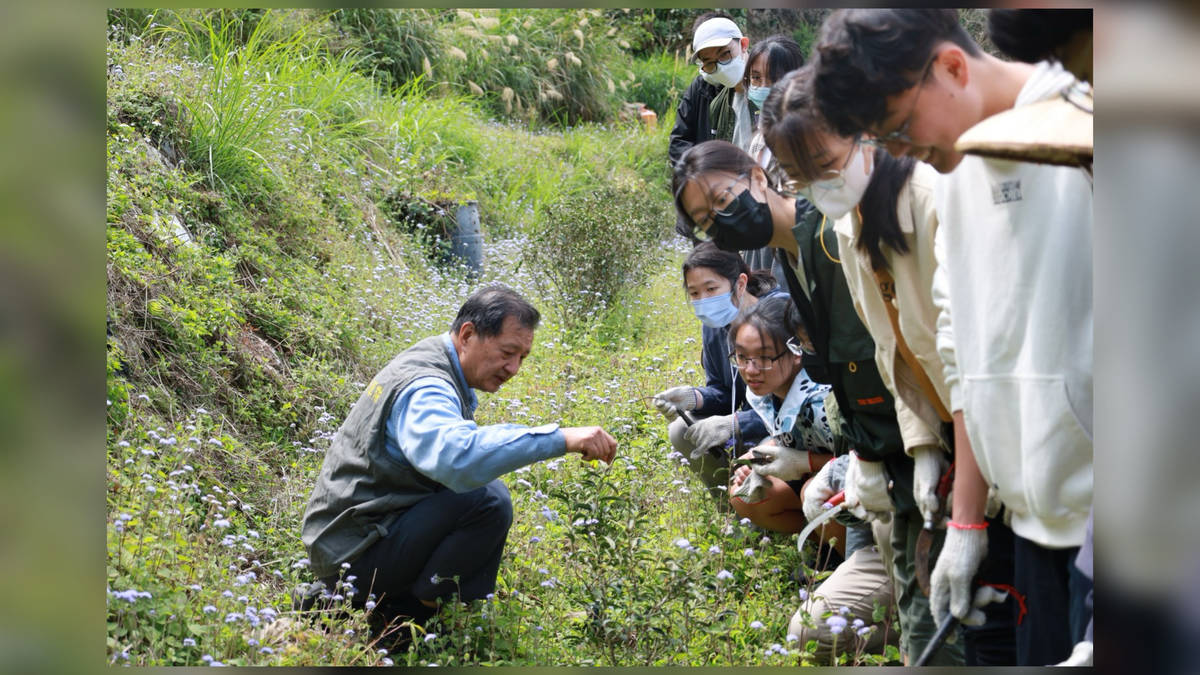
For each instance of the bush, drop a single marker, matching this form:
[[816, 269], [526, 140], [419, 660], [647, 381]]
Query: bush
[[660, 80], [592, 248], [549, 66], [399, 44]]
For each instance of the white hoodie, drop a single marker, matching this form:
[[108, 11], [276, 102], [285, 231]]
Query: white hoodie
[[1014, 293]]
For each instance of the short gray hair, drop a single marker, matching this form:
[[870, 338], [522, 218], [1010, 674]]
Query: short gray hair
[[489, 306]]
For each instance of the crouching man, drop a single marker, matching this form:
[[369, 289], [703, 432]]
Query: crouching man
[[409, 494]]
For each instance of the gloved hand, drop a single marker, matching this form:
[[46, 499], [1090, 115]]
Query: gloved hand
[[710, 432], [866, 491], [783, 462], [818, 491], [671, 401], [950, 584], [1081, 655], [929, 464]]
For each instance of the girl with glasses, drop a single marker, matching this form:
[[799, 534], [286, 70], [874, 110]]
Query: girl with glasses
[[718, 283], [769, 344]]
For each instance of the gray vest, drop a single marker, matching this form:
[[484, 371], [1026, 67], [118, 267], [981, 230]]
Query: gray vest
[[361, 488]]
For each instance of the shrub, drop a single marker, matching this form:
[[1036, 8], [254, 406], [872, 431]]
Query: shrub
[[592, 248], [550, 66], [660, 80], [399, 44]]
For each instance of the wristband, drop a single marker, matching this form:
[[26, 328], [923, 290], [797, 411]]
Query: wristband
[[967, 526]]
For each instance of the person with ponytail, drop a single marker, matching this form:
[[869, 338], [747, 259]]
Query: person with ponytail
[[881, 210], [717, 283]]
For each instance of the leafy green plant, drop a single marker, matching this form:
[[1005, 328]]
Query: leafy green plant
[[660, 80], [399, 44], [592, 248]]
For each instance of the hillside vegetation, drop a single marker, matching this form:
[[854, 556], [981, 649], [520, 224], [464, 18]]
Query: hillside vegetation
[[279, 199]]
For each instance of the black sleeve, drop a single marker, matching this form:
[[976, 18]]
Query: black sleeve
[[686, 131]]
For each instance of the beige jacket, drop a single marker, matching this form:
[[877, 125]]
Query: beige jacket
[[913, 276]]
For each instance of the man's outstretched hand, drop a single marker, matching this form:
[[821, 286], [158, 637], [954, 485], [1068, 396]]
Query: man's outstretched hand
[[591, 442]]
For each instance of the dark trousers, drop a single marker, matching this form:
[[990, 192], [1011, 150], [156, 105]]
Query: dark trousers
[[1055, 592], [445, 536], [995, 642]]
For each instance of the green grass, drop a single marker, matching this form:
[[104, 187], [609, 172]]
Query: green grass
[[251, 296]]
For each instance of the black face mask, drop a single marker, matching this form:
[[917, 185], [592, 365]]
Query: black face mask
[[744, 225]]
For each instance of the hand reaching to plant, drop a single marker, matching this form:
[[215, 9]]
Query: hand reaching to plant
[[591, 442]]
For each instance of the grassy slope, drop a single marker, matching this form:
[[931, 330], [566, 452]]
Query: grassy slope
[[235, 351]]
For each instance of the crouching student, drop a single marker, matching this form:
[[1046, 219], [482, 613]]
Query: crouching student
[[769, 342], [725, 196], [718, 283]]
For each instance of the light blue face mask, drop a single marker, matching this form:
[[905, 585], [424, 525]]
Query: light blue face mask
[[715, 311], [757, 95]]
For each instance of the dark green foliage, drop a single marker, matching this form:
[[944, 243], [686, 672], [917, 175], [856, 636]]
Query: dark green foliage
[[660, 81], [396, 43], [592, 248]]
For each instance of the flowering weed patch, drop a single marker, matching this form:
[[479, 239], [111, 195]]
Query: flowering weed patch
[[249, 305]]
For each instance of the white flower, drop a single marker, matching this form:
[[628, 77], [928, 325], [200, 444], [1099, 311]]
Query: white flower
[[757, 625]]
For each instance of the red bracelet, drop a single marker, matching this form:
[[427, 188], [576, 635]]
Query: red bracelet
[[967, 526]]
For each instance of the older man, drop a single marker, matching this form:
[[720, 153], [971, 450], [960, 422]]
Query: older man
[[408, 499]]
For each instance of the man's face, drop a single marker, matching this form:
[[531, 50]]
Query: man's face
[[489, 362], [926, 119], [709, 57]]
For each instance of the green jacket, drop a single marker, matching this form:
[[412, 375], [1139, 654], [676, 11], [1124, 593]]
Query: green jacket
[[845, 352]]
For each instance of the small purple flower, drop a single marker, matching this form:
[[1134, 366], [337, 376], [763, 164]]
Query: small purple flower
[[803, 594], [208, 609], [862, 632], [724, 574], [757, 625], [266, 650], [429, 637], [714, 549], [836, 624], [748, 552], [189, 642]]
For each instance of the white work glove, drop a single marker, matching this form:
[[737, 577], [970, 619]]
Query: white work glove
[[818, 491], [929, 465], [950, 584], [709, 432], [783, 462], [1081, 655], [671, 401], [866, 491]]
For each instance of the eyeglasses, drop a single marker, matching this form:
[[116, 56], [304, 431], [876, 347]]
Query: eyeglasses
[[710, 67], [900, 133], [702, 229], [830, 179], [759, 362]]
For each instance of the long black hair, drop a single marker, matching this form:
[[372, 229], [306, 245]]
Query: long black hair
[[783, 56], [790, 121], [728, 265]]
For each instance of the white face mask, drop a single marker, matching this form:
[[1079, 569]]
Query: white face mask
[[728, 75], [836, 200]]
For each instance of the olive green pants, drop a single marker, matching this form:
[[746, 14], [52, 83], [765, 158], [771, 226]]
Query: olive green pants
[[916, 622]]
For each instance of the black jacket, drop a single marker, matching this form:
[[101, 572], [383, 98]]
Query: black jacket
[[692, 124]]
